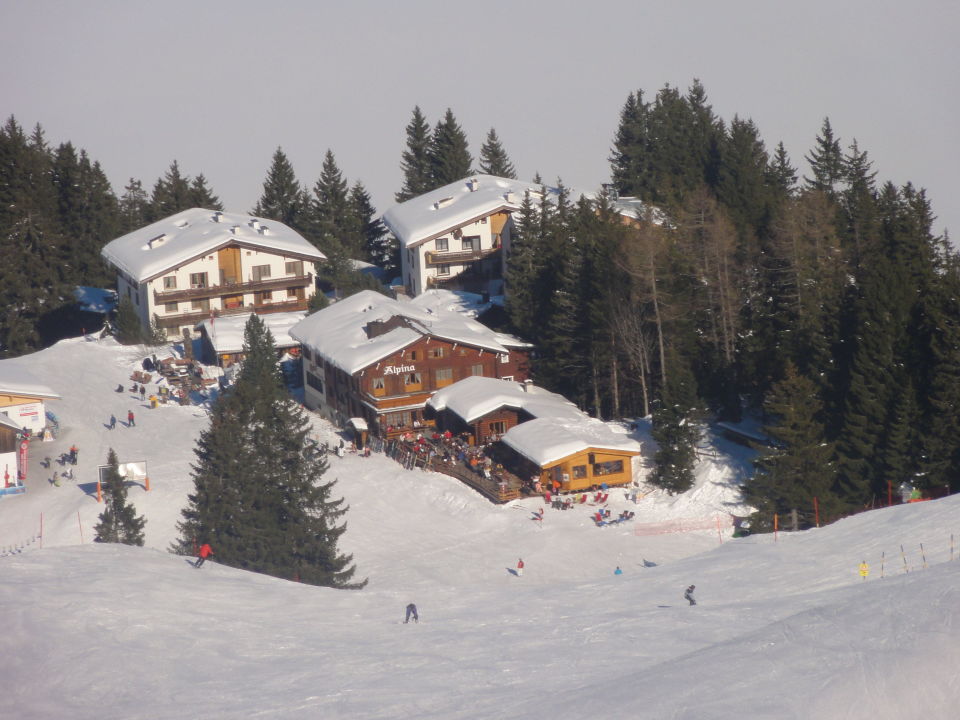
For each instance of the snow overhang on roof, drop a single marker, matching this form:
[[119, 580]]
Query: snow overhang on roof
[[338, 333], [226, 333], [475, 397], [17, 380], [459, 203], [547, 440], [166, 244]]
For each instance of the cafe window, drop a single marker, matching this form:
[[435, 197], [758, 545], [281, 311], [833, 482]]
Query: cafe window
[[444, 376], [611, 467], [171, 307], [170, 282], [437, 352], [476, 369], [579, 471], [412, 379], [443, 244], [498, 427], [198, 280], [260, 272]]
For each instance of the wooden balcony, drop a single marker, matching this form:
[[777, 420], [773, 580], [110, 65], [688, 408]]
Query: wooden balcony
[[198, 316], [440, 258], [236, 288]]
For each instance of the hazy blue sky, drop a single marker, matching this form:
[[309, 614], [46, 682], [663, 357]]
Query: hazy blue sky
[[219, 85]]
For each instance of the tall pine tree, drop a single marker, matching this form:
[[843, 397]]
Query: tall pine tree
[[119, 522]]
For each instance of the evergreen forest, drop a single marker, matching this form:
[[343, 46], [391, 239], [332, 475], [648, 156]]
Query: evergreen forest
[[822, 302]]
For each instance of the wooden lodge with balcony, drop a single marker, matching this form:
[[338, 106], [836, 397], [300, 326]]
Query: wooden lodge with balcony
[[380, 359], [200, 264]]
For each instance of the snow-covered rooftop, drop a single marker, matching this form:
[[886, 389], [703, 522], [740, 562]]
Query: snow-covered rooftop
[[548, 439], [152, 250], [226, 333], [474, 397], [438, 211], [17, 380], [458, 203], [338, 332]]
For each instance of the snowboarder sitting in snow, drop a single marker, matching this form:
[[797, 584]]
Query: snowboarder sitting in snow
[[411, 613], [688, 594], [205, 552]]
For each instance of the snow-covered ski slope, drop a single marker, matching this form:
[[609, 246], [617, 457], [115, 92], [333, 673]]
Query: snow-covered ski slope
[[783, 629]]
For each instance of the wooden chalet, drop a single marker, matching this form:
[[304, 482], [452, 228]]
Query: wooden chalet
[[372, 357]]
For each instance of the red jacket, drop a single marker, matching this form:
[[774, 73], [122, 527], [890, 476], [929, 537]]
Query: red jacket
[[205, 550], [520, 564]]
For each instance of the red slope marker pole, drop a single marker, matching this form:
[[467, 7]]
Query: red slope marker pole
[[80, 525]]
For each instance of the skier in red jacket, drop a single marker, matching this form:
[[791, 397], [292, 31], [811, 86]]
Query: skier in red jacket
[[520, 567], [205, 552]]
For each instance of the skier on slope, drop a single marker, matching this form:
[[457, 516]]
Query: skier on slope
[[520, 567], [688, 594], [412, 613], [205, 552]]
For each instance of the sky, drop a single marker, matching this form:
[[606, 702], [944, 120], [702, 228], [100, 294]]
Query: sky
[[219, 85], [784, 628]]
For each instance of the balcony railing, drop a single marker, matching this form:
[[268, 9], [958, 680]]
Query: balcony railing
[[198, 316], [439, 258], [236, 288]]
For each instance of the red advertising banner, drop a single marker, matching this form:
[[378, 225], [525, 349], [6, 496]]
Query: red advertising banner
[[22, 460]]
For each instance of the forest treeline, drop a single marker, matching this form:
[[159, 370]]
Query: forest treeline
[[825, 301]]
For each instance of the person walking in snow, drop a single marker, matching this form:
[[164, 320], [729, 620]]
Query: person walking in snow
[[618, 571], [205, 552], [113, 422], [130, 422], [864, 570], [73, 454], [688, 594], [412, 613], [56, 479], [520, 567], [143, 393]]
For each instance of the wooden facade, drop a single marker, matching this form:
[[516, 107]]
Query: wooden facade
[[482, 430], [588, 468], [391, 393]]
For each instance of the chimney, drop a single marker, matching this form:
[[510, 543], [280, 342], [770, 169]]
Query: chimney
[[526, 384], [264, 230], [235, 229], [218, 216], [254, 223], [510, 196], [474, 184]]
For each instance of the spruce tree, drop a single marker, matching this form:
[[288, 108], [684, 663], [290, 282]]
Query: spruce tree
[[119, 522], [676, 429], [259, 498], [450, 158], [171, 194], [799, 464], [415, 160], [330, 216], [494, 159], [826, 162], [202, 196], [128, 329], [378, 247], [282, 197], [134, 206]]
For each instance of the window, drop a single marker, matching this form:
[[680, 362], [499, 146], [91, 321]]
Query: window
[[507, 378], [315, 382], [443, 244], [611, 467], [476, 369], [171, 307], [203, 304], [294, 267], [498, 427], [444, 376], [307, 353], [579, 471], [437, 352], [378, 386], [412, 379], [170, 282], [265, 295], [443, 269], [470, 243], [198, 280], [291, 292], [260, 272], [413, 354]]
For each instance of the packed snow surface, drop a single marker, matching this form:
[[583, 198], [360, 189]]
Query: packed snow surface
[[784, 626]]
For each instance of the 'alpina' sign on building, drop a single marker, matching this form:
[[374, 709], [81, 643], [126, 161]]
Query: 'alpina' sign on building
[[397, 369]]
